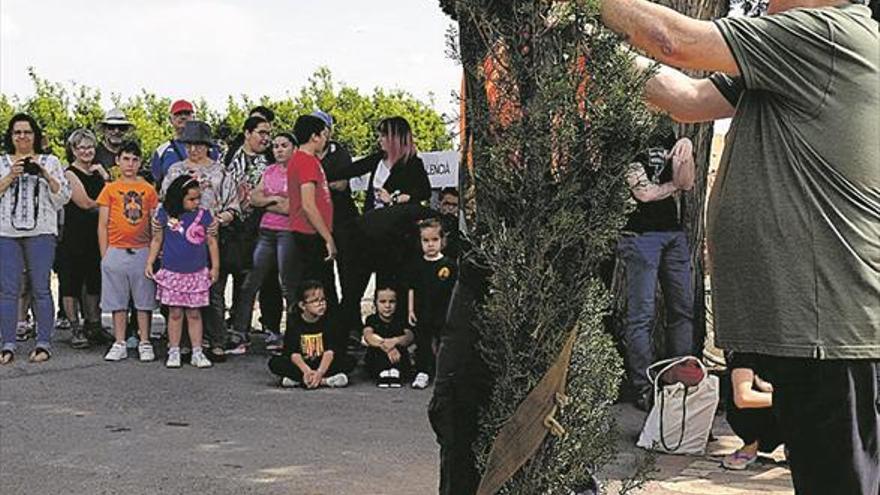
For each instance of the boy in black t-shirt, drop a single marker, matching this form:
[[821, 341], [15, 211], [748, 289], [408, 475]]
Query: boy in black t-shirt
[[430, 288], [311, 345], [387, 338]]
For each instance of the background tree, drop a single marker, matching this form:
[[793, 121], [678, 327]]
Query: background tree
[[62, 108]]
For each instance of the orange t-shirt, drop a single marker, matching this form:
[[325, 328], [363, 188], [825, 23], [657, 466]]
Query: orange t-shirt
[[131, 205]]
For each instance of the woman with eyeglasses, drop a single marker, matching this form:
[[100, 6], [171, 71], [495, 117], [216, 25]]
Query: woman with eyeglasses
[[220, 198], [32, 190], [79, 276]]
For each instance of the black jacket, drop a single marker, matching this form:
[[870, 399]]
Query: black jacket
[[407, 177]]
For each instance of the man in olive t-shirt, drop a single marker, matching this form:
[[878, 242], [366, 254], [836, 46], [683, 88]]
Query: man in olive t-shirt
[[794, 216]]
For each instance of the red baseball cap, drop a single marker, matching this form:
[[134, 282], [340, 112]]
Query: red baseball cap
[[181, 106]]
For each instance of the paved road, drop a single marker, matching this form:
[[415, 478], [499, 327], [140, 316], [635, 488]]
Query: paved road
[[79, 425]]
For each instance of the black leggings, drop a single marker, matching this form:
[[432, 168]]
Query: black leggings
[[284, 367], [377, 361]]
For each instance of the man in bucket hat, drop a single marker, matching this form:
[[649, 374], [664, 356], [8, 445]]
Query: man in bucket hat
[[113, 128]]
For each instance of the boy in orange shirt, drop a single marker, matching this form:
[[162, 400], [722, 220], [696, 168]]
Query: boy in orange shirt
[[126, 206]]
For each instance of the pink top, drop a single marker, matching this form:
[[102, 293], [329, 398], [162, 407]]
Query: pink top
[[275, 184]]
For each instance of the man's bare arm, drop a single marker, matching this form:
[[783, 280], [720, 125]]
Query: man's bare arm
[[684, 98], [668, 36]]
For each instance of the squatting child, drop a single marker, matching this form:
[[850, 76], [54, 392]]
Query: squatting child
[[126, 206], [313, 354], [430, 289], [387, 338], [187, 236]]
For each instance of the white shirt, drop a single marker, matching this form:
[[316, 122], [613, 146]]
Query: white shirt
[[379, 179], [28, 208]]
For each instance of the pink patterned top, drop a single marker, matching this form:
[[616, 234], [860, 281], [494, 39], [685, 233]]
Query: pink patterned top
[[275, 184]]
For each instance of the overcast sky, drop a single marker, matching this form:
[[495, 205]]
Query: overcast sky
[[216, 48]]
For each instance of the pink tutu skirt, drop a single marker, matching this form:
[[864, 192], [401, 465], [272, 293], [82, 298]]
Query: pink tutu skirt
[[188, 290]]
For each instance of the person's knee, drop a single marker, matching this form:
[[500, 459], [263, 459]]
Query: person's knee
[[193, 314], [175, 314]]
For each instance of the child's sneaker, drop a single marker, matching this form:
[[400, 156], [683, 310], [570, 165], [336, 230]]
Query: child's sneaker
[[173, 360], [338, 380], [394, 378], [145, 351], [384, 380], [287, 382], [199, 360], [117, 352], [421, 381]]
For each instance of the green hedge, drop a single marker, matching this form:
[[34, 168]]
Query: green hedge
[[61, 108]]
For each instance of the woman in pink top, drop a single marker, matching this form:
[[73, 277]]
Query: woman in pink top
[[276, 240]]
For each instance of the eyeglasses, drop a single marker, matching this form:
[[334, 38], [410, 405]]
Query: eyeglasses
[[116, 128], [264, 133], [22, 132], [316, 301], [85, 147]]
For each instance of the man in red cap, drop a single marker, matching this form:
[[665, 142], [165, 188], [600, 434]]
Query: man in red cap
[[173, 151]]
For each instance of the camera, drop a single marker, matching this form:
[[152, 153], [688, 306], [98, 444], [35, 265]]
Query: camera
[[30, 167]]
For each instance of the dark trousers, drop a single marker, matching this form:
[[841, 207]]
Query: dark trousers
[[461, 388], [648, 257], [828, 412], [306, 262], [282, 366], [377, 361], [755, 425], [425, 337]]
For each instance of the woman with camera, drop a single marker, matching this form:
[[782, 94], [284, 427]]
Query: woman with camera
[[32, 190]]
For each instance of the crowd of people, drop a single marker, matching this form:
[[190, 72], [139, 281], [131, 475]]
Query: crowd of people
[[271, 210]]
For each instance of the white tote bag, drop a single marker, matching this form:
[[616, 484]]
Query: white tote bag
[[681, 420]]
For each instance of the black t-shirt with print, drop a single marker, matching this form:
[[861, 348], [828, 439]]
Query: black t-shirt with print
[[432, 282], [310, 339], [655, 216]]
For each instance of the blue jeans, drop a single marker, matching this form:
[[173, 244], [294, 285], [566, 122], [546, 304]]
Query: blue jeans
[[272, 253], [37, 254], [648, 257]]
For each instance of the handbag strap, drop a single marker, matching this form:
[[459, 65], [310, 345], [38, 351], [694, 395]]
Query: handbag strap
[[683, 420]]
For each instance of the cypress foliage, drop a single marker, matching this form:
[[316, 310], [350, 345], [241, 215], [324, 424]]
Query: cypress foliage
[[549, 141]]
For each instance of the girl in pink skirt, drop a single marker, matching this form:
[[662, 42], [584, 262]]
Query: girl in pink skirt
[[187, 236]]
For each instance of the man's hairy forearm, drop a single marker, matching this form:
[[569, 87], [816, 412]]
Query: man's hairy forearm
[[645, 25]]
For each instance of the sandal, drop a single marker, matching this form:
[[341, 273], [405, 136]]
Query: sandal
[[39, 355], [739, 460], [6, 356]]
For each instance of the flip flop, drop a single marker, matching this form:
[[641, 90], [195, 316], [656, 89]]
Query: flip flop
[[39, 355], [7, 356]]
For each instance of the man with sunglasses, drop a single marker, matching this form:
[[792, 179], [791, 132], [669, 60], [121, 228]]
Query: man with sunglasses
[[113, 129]]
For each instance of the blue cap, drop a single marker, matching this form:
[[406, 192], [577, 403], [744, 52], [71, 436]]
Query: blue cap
[[324, 116]]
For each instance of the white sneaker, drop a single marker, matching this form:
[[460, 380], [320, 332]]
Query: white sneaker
[[145, 351], [338, 380], [384, 379], [173, 360], [288, 382], [117, 352], [394, 378], [199, 360], [421, 381]]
